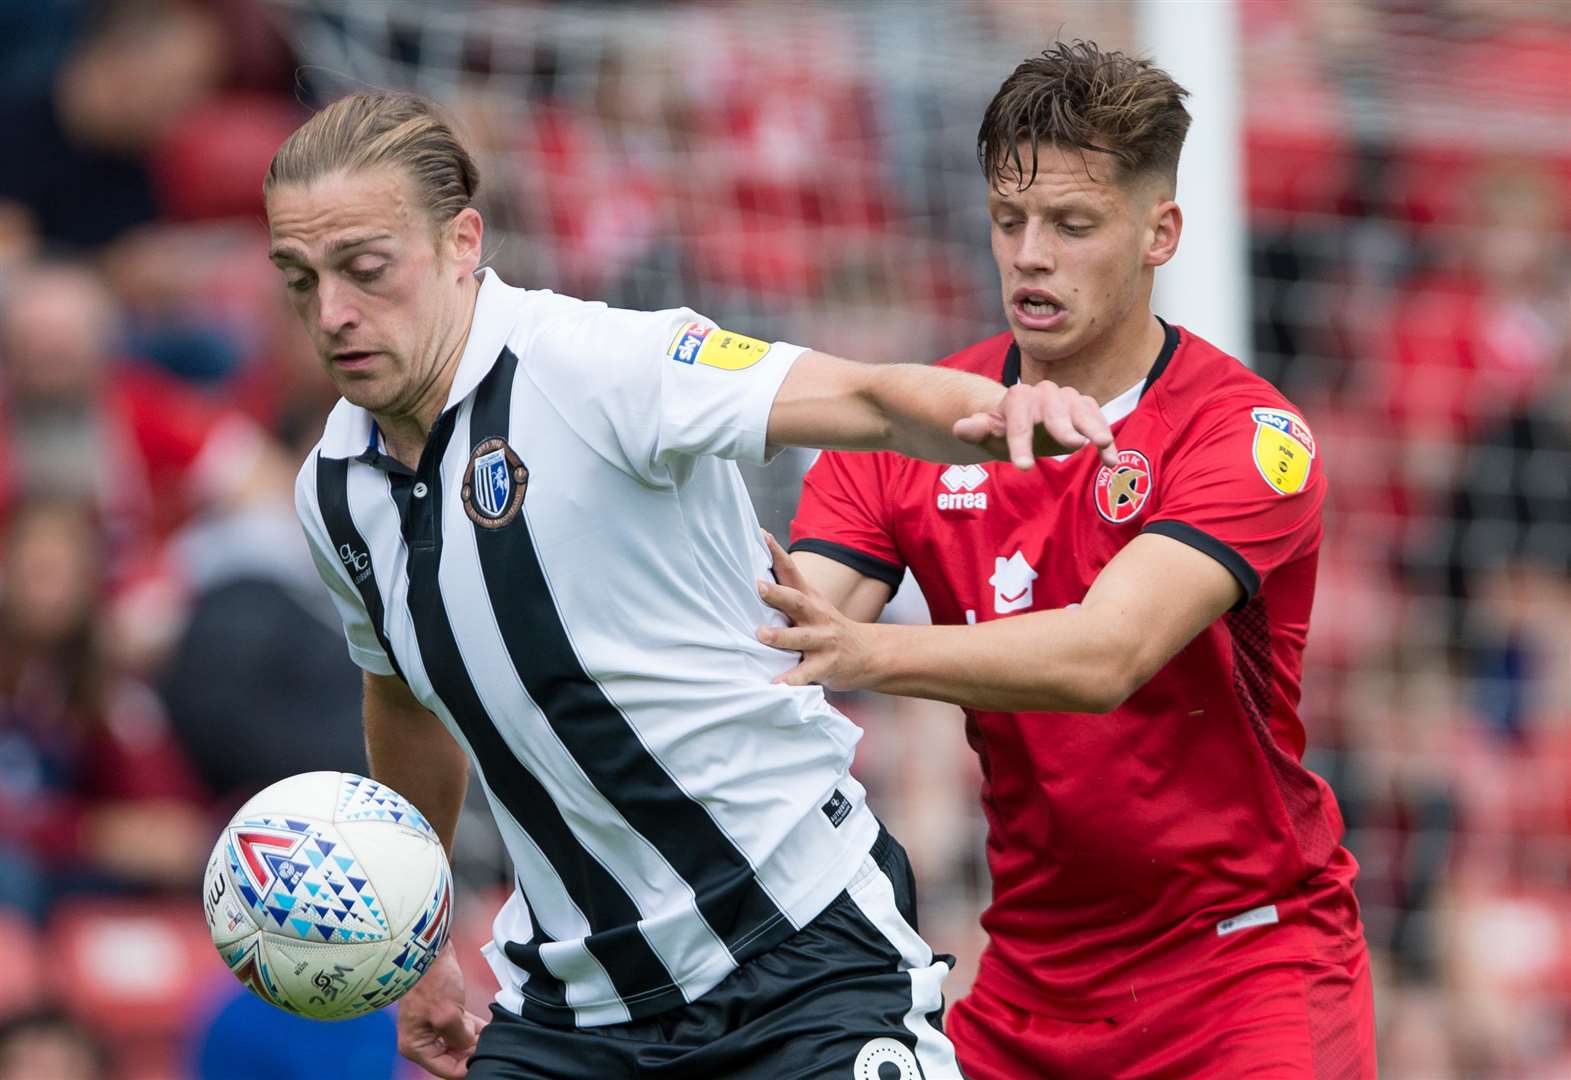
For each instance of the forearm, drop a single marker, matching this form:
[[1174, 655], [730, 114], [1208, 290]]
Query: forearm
[[410, 751], [833, 404], [1048, 661], [933, 413], [1150, 601], [920, 406]]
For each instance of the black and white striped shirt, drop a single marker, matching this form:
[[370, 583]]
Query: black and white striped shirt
[[567, 581]]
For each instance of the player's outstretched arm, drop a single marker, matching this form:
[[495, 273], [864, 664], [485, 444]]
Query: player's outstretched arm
[[932, 413], [1150, 601], [410, 751]]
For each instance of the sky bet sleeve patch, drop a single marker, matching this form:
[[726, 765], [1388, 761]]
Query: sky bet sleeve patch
[[1283, 449], [716, 348]]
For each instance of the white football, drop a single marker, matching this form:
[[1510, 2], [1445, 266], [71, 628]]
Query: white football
[[328, 895]]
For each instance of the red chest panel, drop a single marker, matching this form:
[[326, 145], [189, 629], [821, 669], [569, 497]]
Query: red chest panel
[[989, 540]]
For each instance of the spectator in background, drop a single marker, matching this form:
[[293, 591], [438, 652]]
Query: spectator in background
[[47, 1044], [1502, 561], [147, 452], [256, 610], [1479, 335], [73, 147], [784, 128], [1405, 722], [1419, 1038], [78, 420], [1505, 555], [617, 145], [94, 794], [1303, 161]]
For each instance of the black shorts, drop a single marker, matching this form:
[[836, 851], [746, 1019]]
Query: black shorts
[[854, 995]]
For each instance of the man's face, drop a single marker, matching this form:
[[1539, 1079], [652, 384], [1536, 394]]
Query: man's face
[[49, 575], [55, 1052], [371, 280], [1074, 250], [55, 335]]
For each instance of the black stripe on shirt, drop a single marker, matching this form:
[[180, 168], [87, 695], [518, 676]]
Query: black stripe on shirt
[[543, 987], [332, 496], [615, 939], [889, 573], [626, 956], [1223, 553], [594, 730]]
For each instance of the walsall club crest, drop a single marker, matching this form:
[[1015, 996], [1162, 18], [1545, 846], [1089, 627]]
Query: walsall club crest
[[1122, 489], [494, 484]]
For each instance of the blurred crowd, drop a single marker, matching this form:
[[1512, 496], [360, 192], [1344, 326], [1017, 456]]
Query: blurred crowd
[[165, 649]]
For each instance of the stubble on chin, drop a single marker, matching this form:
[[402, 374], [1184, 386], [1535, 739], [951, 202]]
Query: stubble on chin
[[367, 393]]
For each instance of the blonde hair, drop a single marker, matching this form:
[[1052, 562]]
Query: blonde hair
[[370, 130]]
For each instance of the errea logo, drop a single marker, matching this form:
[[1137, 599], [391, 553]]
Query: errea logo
[[962, 482]]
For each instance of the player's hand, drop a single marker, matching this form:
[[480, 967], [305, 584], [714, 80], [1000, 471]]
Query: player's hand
[[435, 1030], [835, 650], [1041, 420]]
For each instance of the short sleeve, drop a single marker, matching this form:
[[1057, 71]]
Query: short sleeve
[[1245, 487], [843, 514], [647, 387], [364, 646]]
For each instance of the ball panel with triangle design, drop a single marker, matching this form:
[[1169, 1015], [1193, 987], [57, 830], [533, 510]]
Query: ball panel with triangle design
[[328, 895]]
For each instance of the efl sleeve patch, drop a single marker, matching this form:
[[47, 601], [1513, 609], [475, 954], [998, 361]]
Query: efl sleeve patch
[[716, 348], [1284, 449]]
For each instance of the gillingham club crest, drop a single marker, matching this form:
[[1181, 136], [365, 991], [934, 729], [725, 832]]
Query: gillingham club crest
[[1122, 490], [494, 484]]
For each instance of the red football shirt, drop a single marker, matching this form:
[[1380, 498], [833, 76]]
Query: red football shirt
[[1124, 848]]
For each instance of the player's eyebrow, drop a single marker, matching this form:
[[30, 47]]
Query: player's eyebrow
[[289, 253], [1072, 203]]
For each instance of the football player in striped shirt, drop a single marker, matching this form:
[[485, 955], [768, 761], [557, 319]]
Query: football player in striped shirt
[[527, 510]]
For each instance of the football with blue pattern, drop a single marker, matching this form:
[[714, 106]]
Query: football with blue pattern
[[328, 895]]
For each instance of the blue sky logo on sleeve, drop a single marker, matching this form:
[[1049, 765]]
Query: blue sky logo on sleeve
[[1283, 449], [716, 348]]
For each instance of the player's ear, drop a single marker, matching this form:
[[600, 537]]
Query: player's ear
[[463, 236], [1164, 224]]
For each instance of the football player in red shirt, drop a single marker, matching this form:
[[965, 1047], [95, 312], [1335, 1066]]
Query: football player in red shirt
[[1170, 895]]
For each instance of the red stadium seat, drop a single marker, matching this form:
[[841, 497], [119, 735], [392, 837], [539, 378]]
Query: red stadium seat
[[20, 973], [134, 969], [137, 972]]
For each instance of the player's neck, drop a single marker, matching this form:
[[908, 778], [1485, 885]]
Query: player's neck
[[406, 431], [1108, 368]]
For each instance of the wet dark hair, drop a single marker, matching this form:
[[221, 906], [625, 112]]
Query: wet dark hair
[[1075, 95]]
